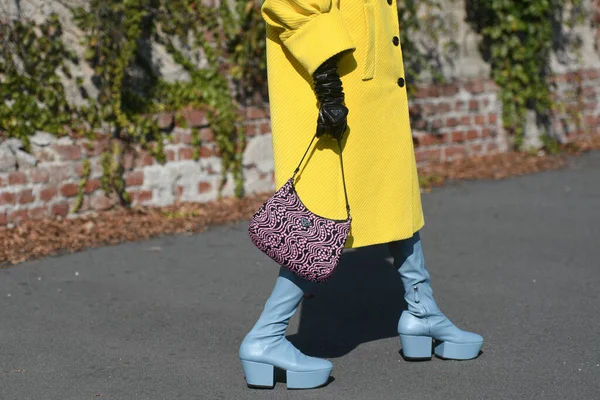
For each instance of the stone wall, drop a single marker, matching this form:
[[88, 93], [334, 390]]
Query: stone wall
[[450, 122], [455, 120], [45, 183]]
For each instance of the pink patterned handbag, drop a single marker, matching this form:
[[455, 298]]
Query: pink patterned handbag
[[307, 244]]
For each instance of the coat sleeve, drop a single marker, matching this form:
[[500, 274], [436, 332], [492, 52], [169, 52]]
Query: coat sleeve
[[311, 30]]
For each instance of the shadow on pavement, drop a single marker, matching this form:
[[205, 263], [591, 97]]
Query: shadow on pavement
[[360, 303]]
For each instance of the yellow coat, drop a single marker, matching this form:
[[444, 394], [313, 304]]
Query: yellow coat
[[379, 160]]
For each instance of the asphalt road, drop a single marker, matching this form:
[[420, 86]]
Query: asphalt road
[[517, 261]]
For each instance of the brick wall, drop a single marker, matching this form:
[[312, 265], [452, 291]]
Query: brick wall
[[45, 183], [577, 95], [456, 120], [450, 121], [464, 119]]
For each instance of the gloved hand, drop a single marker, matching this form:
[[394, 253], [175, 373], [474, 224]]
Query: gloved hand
[[329, 91]]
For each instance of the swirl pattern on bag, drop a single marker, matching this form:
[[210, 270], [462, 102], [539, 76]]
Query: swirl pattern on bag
[[308, 245]]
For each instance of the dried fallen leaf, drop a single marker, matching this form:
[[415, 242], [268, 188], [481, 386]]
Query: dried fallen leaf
[[89, 226]]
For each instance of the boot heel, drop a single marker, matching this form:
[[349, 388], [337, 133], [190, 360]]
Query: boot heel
[[416, 347], [259, 374]]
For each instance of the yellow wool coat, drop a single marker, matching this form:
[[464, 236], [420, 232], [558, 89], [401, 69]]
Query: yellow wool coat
[[379, 160]]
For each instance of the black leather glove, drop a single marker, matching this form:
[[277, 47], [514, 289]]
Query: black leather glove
[[332, 111]]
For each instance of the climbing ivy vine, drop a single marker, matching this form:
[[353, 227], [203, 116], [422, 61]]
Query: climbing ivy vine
[[518, 38], [118, 37], [120, 34], [31, 54]]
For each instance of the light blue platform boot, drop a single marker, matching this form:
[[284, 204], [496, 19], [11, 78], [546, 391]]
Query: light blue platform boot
[[266, 347], [423, 324]]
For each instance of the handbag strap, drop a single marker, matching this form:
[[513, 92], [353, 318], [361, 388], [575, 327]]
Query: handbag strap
[[339, 141]]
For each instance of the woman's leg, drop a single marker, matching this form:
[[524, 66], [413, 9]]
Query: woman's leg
[[266, 347], [423, 320]]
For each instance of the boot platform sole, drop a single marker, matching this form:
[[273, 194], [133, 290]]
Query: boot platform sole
[[422, 348], [261, 375]]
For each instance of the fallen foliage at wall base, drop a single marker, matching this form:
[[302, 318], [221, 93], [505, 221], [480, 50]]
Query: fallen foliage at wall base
[[36, 239]]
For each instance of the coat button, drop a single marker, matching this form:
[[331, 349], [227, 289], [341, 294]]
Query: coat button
[[401, 82], [396, 41], [390, 2]]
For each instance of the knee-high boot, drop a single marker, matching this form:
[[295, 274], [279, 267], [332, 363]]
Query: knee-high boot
[[423, 324], [266, 347]]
